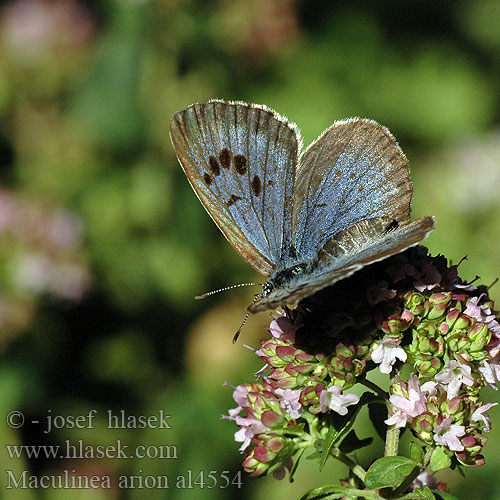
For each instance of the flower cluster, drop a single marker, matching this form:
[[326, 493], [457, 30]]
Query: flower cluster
[[42, 255], [410, 316]]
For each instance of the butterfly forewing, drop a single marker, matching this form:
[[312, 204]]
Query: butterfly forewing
[[380, 247], [240, 159], [355, 170]]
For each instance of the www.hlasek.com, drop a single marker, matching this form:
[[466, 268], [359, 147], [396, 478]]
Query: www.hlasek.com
[[80, 450]]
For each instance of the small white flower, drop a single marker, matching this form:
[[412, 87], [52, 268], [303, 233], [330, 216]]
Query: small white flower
[[386, 354], [289, 401], [447, 434], [483, 314], [481, 415], [249, 427], [453, 376], [425, 479], [490, 370], [332, 399], [407, 408]]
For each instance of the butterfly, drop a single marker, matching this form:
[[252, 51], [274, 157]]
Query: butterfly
[[304, 220]]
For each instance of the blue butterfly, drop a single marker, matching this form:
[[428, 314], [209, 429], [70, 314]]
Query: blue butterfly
[[305, 220]]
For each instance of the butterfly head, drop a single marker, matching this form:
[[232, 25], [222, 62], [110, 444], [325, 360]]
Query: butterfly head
[[284, 277]]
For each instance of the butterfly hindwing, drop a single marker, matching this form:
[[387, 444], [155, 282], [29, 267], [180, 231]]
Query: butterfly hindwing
[[353, 257], [355, 170], [240, 160]]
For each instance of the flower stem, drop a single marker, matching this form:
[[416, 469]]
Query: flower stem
[[374, 387], [356, 469], [391, 441]]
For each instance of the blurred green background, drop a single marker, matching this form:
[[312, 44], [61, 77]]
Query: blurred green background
[[103, 244]]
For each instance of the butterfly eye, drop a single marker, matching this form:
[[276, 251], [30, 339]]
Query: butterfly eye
[[267, 288]]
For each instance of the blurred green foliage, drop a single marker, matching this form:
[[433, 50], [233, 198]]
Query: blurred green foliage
[[103, 243]]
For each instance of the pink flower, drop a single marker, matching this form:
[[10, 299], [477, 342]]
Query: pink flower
[[481, 415], [454, 375], [400, 269], [431, 278], [490, 370], [407, 408], [447, 434], [425, 479], [249, 427], [387, 352], [284, 328], [240, 395], [379, 292], [483, 314], [289, 401], [479, 313], [467, 288], [332, 399]]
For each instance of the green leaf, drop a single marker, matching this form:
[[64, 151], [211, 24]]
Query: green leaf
[[439, 459], [339, 425], [420, 494], [441, 495], [351, 442], [338, 492], [389, 471], [295, 464], [328, 443], [315, 455], [416, 453]]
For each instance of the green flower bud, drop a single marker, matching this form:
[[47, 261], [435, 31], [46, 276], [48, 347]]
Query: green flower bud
[[269, 451], [463, 322], [455, 407], [480, 336], [310, 395], [416, 303], [454, 339], [423, 426], [437, 311], [440, 298], [427, 368], [282, 379], [451, 316], [474, 443]]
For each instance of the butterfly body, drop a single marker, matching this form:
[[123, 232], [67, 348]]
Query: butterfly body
[[302, 220]]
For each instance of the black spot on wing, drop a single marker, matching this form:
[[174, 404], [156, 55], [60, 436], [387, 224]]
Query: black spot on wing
[[233, 200], [207, 178], [214, 165], [270, 182], [256, 185], [225, 158], [391, 226], [240, 164]]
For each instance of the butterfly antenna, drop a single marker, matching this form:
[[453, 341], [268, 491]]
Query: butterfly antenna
[[199, 297], [237, 334], [494, 283]]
